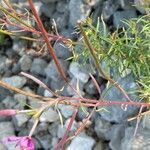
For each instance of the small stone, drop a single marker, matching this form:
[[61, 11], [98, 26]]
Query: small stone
[[15, 81], [68, 33], [54, 142], [21, 99], [59, 87], [81, 142], [33, 102], [102, 128], [109, 7], [19, 47], [9, 102], [20, 119], [2, 64], [42, 128], [146, 122], [120, 16], [25, 62], [6, 129], [38, 66], [66, 110], [62, 51], [90, 88], [139, 142], [116, 133], [61, 20], [78, 11], [62, 6], [49, 115], [99, 146], [45, 141], [61, 129], [48, 9], [74, 83], [16, 69], [48, 93], [117, 113], [126, 4], [53, 128], [78, 72], [141, 5], [49, 1], [4, 93], [52, 72]]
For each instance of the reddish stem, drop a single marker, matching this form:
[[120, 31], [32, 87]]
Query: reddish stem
[[44, 34]]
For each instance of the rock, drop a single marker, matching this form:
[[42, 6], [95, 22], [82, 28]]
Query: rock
[[38, 66], [4, 93], [25, 62], [38, 6], [102, 128], [49, 1], [62, 51], [78, 11], [99, 146], [48, 9], [20, 119], [120, 16], [126, 4], [33, 102], [45, 141], [2, 64], [91, 2], [59, 87], [82, 142], [82, 113], [61, 20], [49, 115], [48, 93], [141, 5], [109, 8], [68, 33], [11, 54], [15, 81], [42, 128], [118, 113], [5, 65], [53, 128], [52, 72], [139, 142], [6, 129], [146, 121], [54, 142], [21, 99], [66, 110], [74, 83], [61, 129], [9, 102], [90, 88], [16, 69], [78, 72], [116, 134], [62, 6], [19, 47]]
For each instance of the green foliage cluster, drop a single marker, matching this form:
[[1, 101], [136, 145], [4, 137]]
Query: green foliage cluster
[[122, 51], [2, 38]]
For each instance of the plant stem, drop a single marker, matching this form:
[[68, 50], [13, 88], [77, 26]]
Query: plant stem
[[44, 34]]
